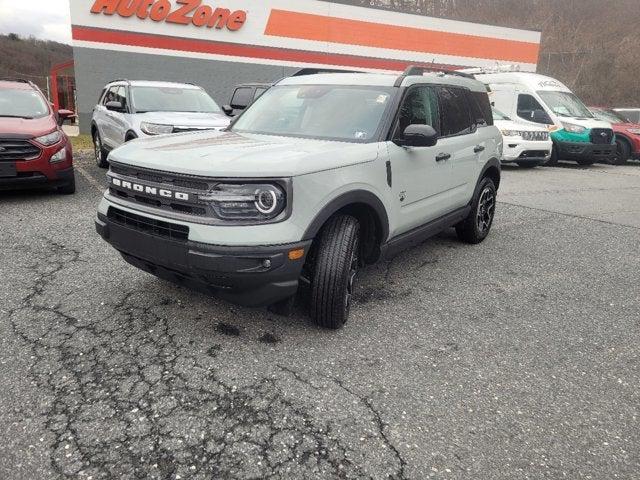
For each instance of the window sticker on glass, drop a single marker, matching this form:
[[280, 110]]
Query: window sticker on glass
[[361, 135], [382, 99]]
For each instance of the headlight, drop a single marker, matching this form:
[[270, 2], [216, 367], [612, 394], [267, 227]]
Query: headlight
[[246, 202], [570, 127], [61, 156], [49, 139], [511, 133], [635, 131], [155, 128]]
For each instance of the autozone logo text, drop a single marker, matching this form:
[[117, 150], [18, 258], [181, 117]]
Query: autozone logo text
[[185, 12], [160, 192]]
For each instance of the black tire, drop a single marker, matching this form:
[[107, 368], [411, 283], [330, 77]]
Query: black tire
[[476, 227], [69, 188], [130, 136], [553, 160], [336, 265], [528, 165], [623, 152], [100, 154], [583, 162]]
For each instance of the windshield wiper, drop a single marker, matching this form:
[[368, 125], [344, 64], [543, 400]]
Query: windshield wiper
[[17, 116]]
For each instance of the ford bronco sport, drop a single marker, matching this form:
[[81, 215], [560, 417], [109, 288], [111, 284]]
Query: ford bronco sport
[[322, 174]]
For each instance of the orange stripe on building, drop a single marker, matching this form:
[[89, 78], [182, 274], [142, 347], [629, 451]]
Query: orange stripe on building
[[306, 26]]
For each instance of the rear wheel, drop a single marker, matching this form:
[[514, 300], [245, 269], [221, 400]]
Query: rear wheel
[[623, 152], [336, 265], [99, 152], [476, 227]]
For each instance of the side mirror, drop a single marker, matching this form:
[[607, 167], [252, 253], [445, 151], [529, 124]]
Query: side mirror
[[228, 110], [114, 106], [64, 115], [418, 136], [540, 116]]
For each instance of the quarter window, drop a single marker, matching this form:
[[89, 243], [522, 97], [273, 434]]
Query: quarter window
[[455, 115]]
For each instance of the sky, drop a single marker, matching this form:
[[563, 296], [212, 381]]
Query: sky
[[44, 19]]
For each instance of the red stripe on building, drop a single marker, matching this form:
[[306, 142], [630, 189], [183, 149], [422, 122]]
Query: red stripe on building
[[132, 39]]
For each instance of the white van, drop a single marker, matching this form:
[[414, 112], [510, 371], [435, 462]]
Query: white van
[[538, 100]]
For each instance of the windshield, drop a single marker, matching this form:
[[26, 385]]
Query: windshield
[[565, 104], [172, 99], [22, 104], [608, 115], [328, 112], [498, 115]]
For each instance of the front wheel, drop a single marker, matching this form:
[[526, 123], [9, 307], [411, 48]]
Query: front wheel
[[476, 227], [336, 265], [99, 152], [553, 160], [69, 188], [623, 153]]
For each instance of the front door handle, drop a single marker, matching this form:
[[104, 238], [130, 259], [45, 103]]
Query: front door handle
[[443, 157], [478, 149]]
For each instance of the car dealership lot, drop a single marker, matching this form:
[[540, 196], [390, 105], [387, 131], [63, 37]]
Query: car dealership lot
[[513, 359]]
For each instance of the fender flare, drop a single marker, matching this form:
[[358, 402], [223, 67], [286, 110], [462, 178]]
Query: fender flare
[[356, 196], [492, 163]]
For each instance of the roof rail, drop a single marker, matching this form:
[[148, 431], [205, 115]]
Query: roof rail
[[119, 80], [499, 68], [415, 70], [313, 71]]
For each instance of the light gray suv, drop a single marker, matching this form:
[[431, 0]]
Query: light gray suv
[[137, 109], [322, 174]]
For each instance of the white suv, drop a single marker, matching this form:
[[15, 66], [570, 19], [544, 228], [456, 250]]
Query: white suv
[[322, 174], [526, 145], [136, 109]]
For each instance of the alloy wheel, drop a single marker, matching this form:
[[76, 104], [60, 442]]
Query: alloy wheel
[[486, 209]]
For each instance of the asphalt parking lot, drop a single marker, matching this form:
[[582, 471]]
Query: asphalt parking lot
[[514, 359]]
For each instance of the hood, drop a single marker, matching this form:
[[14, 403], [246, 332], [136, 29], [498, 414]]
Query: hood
[[230, 154], [511, 125], [623, 127], [186, 119], [584, 122], [27, 127]]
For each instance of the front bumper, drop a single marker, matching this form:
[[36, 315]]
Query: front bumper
[[523, 151], [585, 151], [248, 276], [37, 179]]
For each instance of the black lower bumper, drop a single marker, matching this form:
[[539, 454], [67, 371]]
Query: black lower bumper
[[585, 151], [36, 180], [248, 276]]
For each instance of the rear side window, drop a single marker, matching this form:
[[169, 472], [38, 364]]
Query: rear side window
[[242, 97], [455, 113], [480, 108]]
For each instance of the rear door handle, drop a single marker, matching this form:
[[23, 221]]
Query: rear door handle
[[478, 149], [442, 157]]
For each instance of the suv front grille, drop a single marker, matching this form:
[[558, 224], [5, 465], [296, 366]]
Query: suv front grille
[[16, 150], [602, 136], [169, 180], [148, 225], [535, 136]]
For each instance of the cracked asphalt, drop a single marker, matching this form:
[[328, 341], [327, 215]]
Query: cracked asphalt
[[515, 359]]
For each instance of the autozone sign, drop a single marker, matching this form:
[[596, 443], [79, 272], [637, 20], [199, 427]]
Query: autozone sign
[[185, 12]]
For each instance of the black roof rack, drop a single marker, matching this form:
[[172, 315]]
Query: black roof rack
[[314, 71], [119, 80], [415, 70]]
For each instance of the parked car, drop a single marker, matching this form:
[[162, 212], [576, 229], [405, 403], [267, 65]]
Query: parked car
[[631, 115], [627, 134], [133, 109], [540, 100], [525, 145], [34, 151], [324, 174], [243, 96]]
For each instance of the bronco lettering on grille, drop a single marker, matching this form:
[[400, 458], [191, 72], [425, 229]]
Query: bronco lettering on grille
[[190, 12], [136, 187]]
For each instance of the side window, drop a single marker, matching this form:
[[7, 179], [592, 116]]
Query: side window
[[242, 97], [419, 107], [530, 109], [121, 96], [481, 112], [455, 114], [110, 96], [258, 94]]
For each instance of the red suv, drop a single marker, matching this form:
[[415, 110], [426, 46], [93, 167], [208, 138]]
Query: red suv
[[627, 134], [34, 151]]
